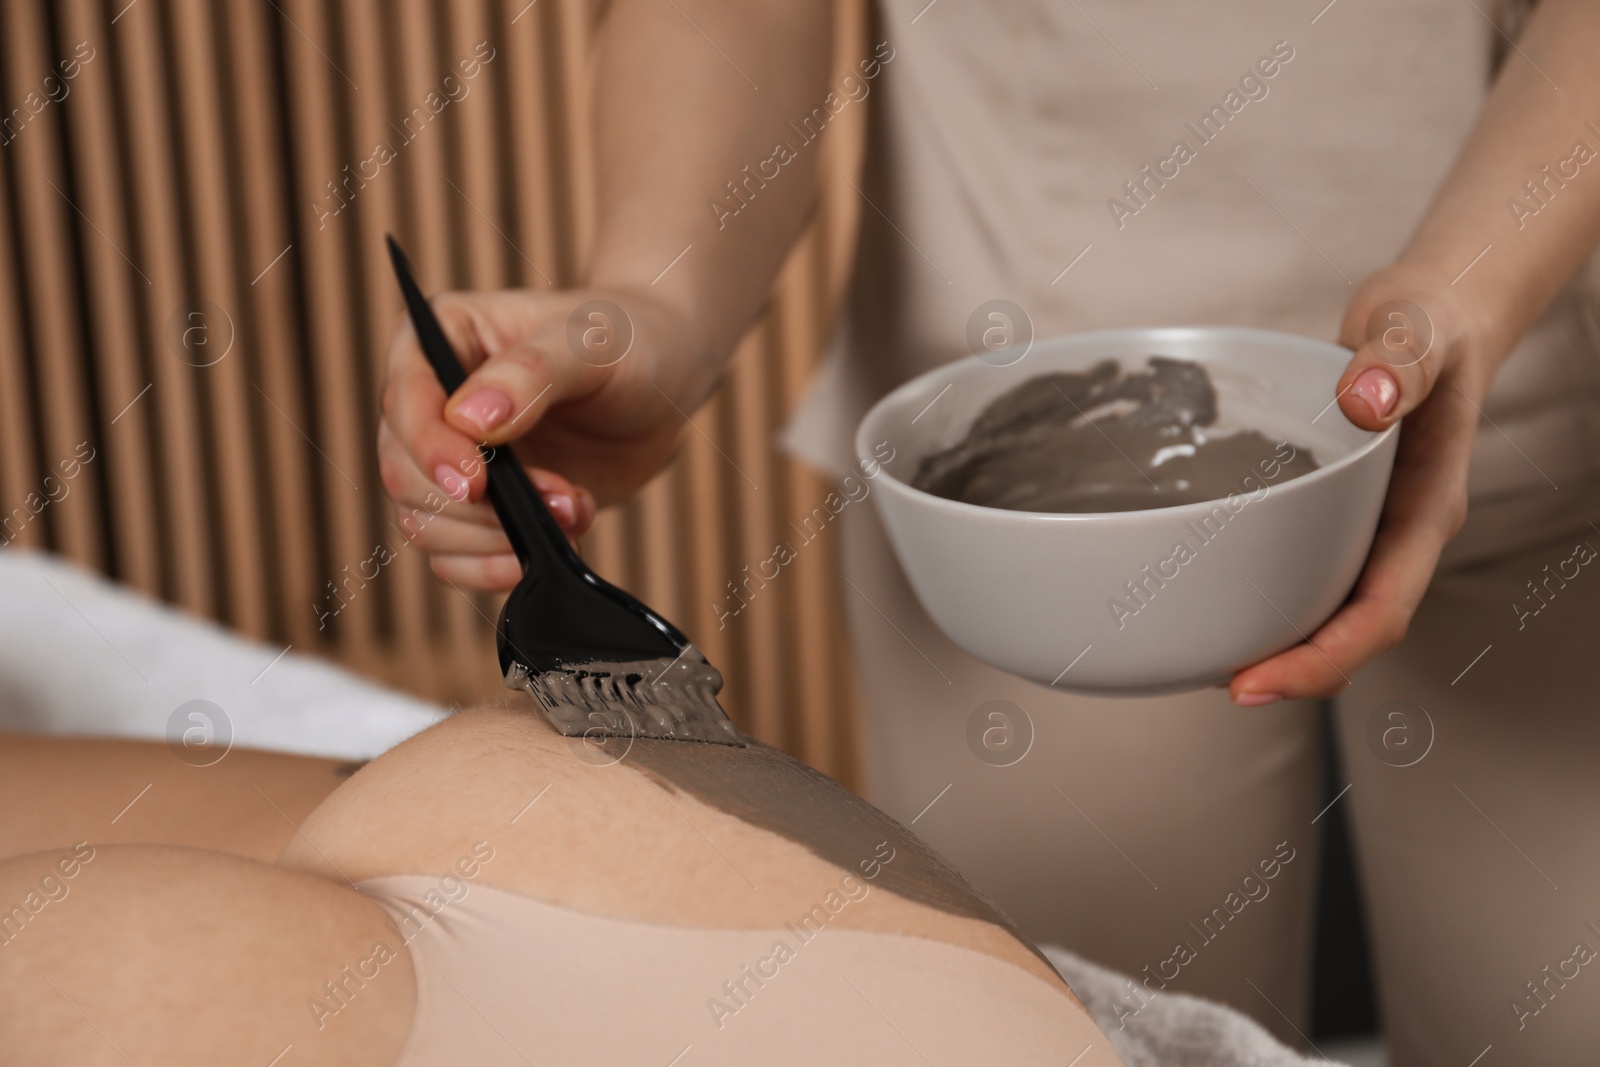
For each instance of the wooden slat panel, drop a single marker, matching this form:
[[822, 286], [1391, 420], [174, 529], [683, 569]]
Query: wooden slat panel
[[423, 63], [157, 251], [270, 311], [49, 285], [213, 283], [525, 74], [406, 579], [114, 290], [707, 552], [474, 192], [571, 34], [316, 87], [752, 451], [806, 635], [19, 461]]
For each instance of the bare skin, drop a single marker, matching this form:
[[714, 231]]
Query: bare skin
[[58, 791], [159, 954], [698, 124], [162, 895], [144, 934]]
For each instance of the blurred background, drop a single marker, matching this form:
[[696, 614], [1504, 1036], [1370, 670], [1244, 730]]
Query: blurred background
[[194, 291]]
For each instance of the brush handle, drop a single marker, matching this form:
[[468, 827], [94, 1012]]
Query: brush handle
[[534, 534], [559, 602]]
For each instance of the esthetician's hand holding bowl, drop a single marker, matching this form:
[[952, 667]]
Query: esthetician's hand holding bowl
[[1108, 602], [1421, 355]]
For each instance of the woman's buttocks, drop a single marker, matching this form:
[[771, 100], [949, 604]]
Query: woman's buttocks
[[599, 879], [669, 833]]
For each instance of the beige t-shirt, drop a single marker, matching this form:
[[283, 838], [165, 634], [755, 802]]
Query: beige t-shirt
[[1004, 138]]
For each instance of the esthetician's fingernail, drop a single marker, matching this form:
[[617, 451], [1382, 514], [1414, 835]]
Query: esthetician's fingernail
[[485, 409], [1255, 700], [1378, 388], [453, 484], [563, 508]]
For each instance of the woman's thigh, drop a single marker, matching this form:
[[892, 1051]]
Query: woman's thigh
[[1473, 751], [1126, 831], [56, 791], [149, 954]]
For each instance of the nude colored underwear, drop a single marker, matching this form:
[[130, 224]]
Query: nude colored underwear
[[506, 980]]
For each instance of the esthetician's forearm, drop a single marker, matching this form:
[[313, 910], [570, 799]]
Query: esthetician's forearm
[[1525, 126], [683, 107]]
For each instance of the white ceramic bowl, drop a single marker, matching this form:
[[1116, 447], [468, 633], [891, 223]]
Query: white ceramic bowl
[[1035, 593]]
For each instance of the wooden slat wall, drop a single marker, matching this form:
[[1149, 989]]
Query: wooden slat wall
[[162, 213]]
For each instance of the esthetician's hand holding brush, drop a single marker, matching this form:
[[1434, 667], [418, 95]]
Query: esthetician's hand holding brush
[[597, 382], [1430, 332], [607, 420]]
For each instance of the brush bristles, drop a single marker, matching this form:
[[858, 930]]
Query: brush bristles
[[661, 699]]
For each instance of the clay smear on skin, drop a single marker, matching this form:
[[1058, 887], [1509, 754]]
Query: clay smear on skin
[[1103, 440], [769, 789]]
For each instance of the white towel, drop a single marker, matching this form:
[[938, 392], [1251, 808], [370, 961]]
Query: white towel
[[1173, 1029], [81, 655]]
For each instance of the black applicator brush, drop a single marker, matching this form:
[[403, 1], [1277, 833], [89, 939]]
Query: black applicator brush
[[599, 662]]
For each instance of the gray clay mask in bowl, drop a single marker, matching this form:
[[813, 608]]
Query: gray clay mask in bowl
[[1081, 506]]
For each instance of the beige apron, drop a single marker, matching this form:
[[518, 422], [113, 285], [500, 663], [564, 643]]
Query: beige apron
[[1003, 130], [1003, 136]]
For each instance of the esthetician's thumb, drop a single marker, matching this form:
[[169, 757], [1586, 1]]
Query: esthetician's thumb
[[522, 369], [510, 342], [1402, 327]]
